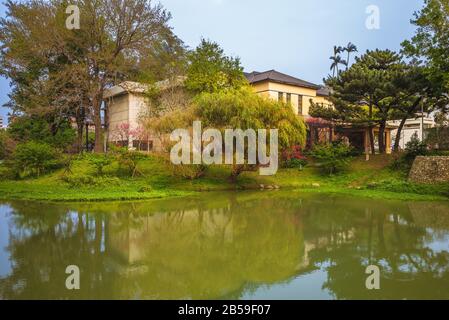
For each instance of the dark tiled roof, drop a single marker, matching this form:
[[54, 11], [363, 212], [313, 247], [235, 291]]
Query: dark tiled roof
[[323, 91], [275, 76]]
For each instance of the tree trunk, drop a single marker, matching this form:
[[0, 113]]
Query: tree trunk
[[381, 137], [80, 117], [371, 140], [79, 131], [106, 128], [398, 134], [371, 134], [79, 136], [236, 171], [97, 102], [401, 126]]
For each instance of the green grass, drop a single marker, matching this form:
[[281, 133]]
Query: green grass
[[371, 179]]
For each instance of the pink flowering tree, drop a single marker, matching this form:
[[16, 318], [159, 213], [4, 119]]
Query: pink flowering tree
[[139, 134], [122, 132]]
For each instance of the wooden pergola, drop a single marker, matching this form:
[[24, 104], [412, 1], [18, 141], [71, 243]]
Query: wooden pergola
[[319, 131], [324, 131], [359, 136]]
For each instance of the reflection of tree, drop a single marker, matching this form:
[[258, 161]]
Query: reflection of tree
[[225, 246], [195, 249], [210, 252], [387, 236], [43, 243]]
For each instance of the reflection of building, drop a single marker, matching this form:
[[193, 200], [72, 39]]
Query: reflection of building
[[131, 243], [191, 252]]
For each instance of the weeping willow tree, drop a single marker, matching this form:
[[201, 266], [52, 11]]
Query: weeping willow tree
[[238, 109], [243, 109]]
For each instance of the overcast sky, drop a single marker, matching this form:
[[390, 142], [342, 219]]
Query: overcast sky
[[292, 36]]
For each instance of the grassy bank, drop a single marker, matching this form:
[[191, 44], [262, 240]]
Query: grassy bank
[[371, 179]]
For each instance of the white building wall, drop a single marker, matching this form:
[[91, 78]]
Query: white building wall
[[411, 127], [118, 112], [138, 107], [127, 109]]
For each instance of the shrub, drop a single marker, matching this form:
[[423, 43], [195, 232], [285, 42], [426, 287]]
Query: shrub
[[29, 128], [67, 162], [75, 180], [6, 173], [99, 161], [190, 172], [294, 158], [399, 163], [332, 157], [145, 189], [7, 145], [438, 137], [413, 148], [64, 138], [400, 186], [83, 180], [129, 160], [439, 153], [35, 158], [34, 128], [295, 163]]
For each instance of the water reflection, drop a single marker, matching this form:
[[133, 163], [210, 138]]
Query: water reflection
[[282, 245]]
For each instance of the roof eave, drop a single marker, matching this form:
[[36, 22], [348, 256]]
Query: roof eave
[[315, 87]]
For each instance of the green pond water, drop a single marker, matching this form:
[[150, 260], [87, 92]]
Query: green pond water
[[255, 245]]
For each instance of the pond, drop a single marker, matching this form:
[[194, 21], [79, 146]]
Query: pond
[[247, 245]]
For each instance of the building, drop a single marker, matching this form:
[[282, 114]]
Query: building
[[280, 86], [359, 136], [416, 126], [2, 126], [300, 94], [127, 102]]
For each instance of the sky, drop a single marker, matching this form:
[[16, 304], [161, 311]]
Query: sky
[[291, 36]]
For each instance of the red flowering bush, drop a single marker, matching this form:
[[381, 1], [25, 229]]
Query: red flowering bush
[[294, 157]]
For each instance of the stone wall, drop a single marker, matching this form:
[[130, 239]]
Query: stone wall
[[430, 170]]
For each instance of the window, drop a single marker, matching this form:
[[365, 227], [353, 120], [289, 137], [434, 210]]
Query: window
[[142, 145], [299, 104], [289, 97], [280, 96]]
